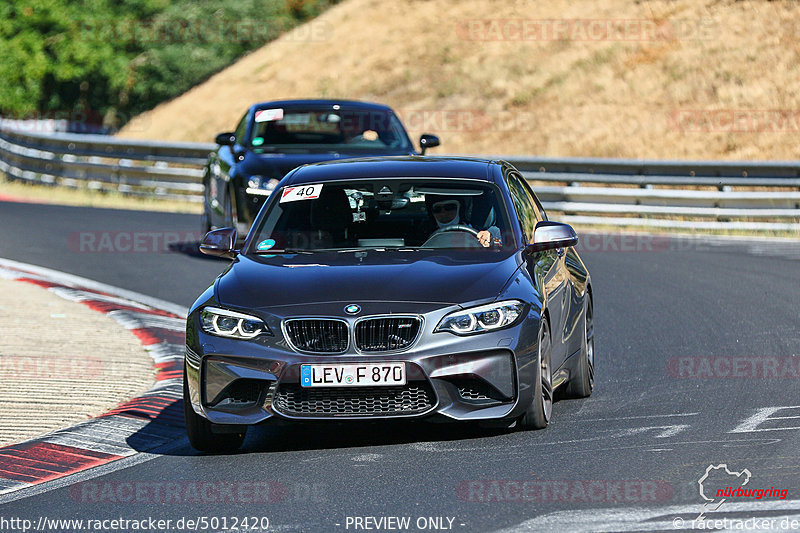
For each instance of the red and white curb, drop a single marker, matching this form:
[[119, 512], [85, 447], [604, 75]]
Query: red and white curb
[[148, 421]]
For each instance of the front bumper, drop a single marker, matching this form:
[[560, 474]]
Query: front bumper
[[449, 377]]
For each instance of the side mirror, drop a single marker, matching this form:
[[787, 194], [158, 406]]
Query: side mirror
[[219, 243], [427, 141], [549, 235], [225, 139]]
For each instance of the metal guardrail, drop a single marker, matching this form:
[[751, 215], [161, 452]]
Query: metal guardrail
[[144, 168], [618, 192]]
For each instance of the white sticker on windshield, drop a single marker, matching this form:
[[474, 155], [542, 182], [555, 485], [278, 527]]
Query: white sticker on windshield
[[297, 118], [302, 192], [269, 115]]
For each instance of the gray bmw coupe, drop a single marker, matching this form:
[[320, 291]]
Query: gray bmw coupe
[[394, 287]]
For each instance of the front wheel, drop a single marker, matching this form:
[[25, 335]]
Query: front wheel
[[538, 414], [200, 430]]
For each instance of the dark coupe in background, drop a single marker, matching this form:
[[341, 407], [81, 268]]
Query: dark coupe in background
[[272, 138], [390, 288]]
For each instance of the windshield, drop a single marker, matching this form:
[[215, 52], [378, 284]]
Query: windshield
[[400, 213], [328, 129]]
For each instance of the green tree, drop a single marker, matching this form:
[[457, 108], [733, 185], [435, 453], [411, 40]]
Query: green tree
[[117, 58]]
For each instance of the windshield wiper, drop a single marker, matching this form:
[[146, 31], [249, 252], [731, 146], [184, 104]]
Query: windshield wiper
[[382, 248], [274, 251]]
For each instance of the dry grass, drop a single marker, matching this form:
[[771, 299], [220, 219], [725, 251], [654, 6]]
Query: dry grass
[[790, 236], [554, 97], [12, 190]]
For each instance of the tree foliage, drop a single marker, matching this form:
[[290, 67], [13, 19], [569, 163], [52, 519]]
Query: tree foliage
[[117, 58]]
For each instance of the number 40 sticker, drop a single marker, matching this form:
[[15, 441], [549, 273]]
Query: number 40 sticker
[[303, 192]]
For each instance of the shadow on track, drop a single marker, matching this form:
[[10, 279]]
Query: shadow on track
[[192, 249], [168, 426], [356, 434]]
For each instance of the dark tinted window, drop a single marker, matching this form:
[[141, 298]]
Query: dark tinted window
[[241, 130], [527, 211], [539, 209], [340, 127], [394, 213]]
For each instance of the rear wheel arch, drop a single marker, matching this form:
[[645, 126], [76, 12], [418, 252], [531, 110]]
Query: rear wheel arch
[[581, 380]]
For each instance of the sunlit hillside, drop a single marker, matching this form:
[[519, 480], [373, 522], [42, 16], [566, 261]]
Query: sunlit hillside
[[611, 78]]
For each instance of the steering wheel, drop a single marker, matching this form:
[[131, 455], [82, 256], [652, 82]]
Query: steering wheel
[[454, 227]]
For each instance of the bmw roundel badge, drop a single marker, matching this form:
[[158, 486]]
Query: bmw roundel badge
[[352, 309]]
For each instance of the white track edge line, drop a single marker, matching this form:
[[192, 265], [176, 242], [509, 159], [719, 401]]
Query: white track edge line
[[119, 464], [73, 280]]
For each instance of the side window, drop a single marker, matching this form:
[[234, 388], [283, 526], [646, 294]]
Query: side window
[[526, 209], [241, 130], [541, 215]]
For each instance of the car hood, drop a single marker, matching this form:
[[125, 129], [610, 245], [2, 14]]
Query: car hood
[[367, 276], [277, 165]]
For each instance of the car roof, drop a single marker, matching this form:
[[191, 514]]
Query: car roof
[[321, 103], [395, 167]]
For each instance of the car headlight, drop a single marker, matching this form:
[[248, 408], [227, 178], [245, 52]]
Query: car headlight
[[261, 183], [484, 318], [225, 323]]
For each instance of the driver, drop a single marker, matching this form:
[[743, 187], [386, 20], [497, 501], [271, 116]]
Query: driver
[[447, 212]]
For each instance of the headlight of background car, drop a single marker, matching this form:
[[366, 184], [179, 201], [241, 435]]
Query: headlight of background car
[[484, 318], [261, 185], [231, 324]]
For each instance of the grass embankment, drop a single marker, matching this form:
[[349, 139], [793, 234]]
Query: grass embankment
[[34, 193], [675, 79]]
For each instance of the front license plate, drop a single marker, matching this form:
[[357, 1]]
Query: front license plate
[[358, 375]]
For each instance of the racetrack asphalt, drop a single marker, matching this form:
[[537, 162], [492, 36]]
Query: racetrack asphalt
[[697, 358]]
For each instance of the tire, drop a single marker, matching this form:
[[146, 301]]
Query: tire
[[582, 383], [200, 430], [538, 413]]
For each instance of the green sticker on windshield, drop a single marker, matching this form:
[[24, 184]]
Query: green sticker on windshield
[[257, 141], [265, 245]]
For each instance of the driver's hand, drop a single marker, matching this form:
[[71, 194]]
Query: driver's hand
[[485, 238]]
